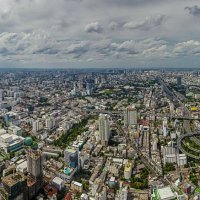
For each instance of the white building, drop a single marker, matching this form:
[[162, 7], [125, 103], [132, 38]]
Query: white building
[[58, 183], [76, 186], [164, 126], [15, 130], [182, 159], [170, 155], [22, 167], [36, 126], [104, 129], [168, 150], [50, 123], [166, 194], [130, 116], [11, 142]]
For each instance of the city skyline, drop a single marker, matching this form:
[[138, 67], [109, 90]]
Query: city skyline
[[99, 34]]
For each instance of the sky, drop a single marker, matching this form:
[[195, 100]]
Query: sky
[[99, 33]]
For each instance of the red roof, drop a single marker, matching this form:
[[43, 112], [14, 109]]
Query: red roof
[[50, 190], [68, 196]]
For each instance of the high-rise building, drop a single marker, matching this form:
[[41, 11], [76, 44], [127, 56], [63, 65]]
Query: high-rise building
[[50, 123], [179, 80], [74, 91], [104, 129], [21, 187], [35, 171], [36, 126], [34, 163], [1, 95], [89, 88], [130, 116], [165, 126], [71, 156]]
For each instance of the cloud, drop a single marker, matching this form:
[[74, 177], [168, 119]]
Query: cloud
[[194, 10], [190, 47], [126, 47], [27, 44], [13, 43], [114, 25], [93, 27], [78, 49], [78, 31], [132, 48], [147, 24]]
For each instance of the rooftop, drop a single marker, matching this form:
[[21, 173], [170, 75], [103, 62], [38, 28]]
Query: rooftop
[[166, 193], [12, 179]]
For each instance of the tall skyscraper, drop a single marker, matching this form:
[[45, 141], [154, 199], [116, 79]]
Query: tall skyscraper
[[50, 123], [165, 126], [104, 129], [89, 88], [74, 91], [36, 126], [34, 159], [1, 95], [35, 171], [130, 116], [179, 80], [71, 156]]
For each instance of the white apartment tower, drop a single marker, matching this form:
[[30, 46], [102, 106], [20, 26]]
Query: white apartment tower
[[50, 123], [104, 129], [36, 126], [165, 126]]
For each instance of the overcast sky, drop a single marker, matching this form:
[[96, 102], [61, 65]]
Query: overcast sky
[[99, 33]]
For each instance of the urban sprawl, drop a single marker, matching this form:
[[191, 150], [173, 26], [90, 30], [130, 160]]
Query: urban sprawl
[[99, 135]]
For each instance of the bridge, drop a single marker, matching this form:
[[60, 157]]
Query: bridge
[[184, 118], [187, 116], [193, 137]]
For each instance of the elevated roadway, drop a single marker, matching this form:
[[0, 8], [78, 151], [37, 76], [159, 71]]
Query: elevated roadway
[[174, 97]]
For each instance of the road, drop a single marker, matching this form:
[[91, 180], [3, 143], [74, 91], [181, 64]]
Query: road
[[176, 97]]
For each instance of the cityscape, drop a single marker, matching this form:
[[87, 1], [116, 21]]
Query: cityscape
[[99, 134], [99, 100]]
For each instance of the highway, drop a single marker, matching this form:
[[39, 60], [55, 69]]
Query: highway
[[196, 140], [176, 97], [180, 141], [191, 148], [154, 168]]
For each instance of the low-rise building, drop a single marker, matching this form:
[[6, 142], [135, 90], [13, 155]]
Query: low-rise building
[[76, 186], [128, 170], [58, 183], [11, 142]]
